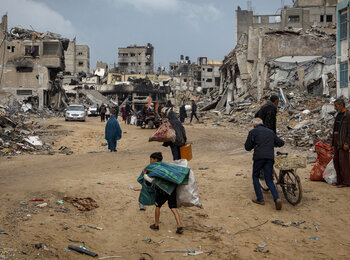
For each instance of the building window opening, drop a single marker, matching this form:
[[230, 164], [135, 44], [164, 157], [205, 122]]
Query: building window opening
[[80, 63], [343, 26], [24, 69], [11, 48], [210, 69], [148, 64], [209, 80], [344, 75], [51, 48], [31, 50], [185, 80], [294, 19], [329, 18], [24, 92], [80, 53], [132, 54], [321, 18]]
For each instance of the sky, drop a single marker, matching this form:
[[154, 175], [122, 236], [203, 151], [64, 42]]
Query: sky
[[193, 28]]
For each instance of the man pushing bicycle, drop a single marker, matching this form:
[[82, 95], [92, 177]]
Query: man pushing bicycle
[[263, 141]]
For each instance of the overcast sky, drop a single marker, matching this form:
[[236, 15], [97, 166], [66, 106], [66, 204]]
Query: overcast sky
[[174, 27]]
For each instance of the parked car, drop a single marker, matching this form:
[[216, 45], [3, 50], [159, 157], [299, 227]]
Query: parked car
[[75, 112], [93, 110]]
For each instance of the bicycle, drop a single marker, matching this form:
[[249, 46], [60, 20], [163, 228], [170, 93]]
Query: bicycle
[[288, 179]]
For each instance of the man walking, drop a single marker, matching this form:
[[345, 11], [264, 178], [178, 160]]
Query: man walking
[[183, 113], [113, 132], [194, 111], [268, 113], [263, 141], [341, 143], [103, 111]]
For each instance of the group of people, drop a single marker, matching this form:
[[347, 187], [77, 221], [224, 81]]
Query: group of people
[[263, 138], [105, 112]]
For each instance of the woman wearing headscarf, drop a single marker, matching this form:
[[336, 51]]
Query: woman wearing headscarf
[[113, 132], [180, 135]]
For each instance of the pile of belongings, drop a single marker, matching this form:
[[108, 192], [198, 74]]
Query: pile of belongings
[[168, 177]]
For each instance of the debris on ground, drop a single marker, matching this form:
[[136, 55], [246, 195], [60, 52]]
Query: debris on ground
[[83, 204]]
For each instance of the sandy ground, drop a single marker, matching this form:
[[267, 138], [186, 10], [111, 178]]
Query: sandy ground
[[225, 190]]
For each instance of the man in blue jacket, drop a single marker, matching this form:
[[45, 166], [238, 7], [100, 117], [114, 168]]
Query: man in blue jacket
[[263, 141], [113, 132]]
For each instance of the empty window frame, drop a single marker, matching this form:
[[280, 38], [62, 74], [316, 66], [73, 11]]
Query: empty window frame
[[343, 26], [51, 48], [343, 74], [24, 92], [80, 64], [11, 48], [329, 18], [31, 50], [80, 53], [148, 64], [132, 54], [24, 69], [321, 18], [294, 19], [123, 64], [210, 70], [209, 80]]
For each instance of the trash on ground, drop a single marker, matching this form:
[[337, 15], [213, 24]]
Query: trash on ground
[[82, 250], [83, 204]]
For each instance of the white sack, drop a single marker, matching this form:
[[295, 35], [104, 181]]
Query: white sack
[[329, 174], [187, 194]]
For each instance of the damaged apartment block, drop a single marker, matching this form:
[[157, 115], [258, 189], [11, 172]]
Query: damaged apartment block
[[275, 52], [30, 62]]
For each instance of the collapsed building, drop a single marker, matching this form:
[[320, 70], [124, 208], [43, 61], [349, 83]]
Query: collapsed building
[[296, 60], [30, 62]]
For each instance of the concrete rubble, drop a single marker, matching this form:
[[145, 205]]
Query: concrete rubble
[[19, 133], [271, 61]]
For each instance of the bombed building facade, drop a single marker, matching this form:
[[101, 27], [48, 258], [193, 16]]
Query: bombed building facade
[[202, 76], [271, 56], [30, 62], [77, 58], [136, 59], [303, 14], [343, 47]]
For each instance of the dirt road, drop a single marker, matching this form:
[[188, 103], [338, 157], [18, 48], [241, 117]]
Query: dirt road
[[225, 190]]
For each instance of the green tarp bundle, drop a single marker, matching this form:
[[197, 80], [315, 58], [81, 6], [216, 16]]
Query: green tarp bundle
[[166, 176]]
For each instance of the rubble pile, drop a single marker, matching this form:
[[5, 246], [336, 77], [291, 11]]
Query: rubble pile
[[19, 134]]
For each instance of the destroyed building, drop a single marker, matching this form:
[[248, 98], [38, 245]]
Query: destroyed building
[[30, 62], [343, 47], [77, 58], [304, 14], [184, 74], [136, 59], [208, 74], [202, 76]]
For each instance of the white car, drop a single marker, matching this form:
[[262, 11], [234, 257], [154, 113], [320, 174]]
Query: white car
[[75, 113], [93, 110]]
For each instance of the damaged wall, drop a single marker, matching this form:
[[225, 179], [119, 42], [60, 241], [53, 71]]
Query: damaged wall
[[31, 61]]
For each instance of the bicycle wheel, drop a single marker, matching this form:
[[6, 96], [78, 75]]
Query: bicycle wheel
[[291, 186], [263, 185]]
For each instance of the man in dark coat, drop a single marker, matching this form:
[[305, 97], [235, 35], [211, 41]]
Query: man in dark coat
[[341, 143], [183, 114], [268, 113], [113, 132], [194, 111], [103, 111], [263, 141]]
